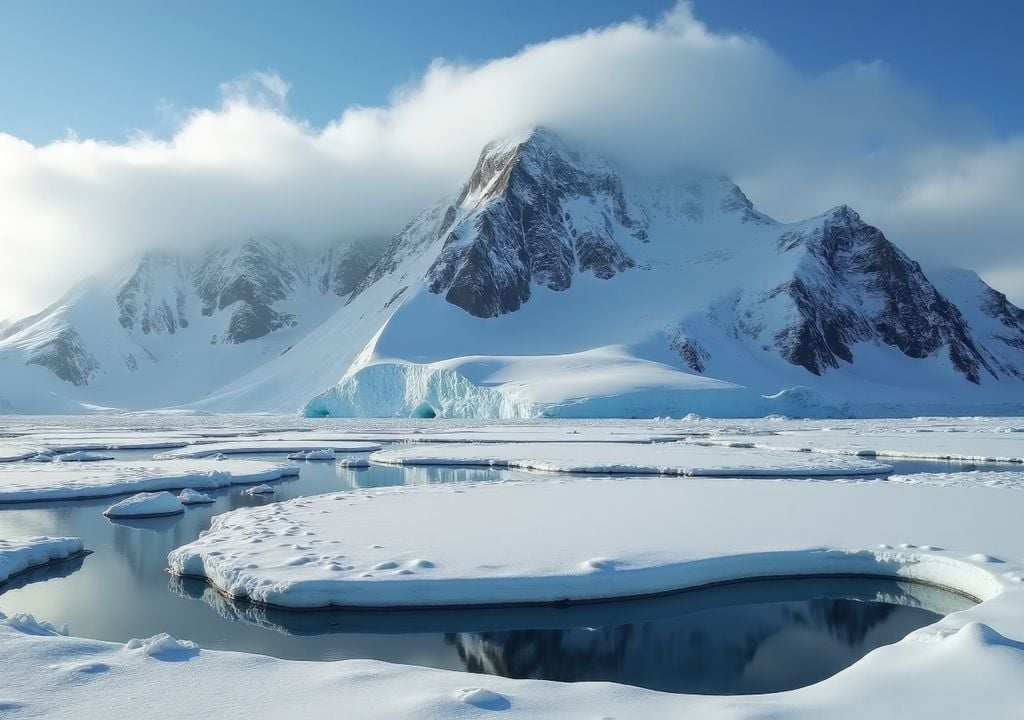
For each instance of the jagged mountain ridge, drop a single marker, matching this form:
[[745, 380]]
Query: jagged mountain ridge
[[167, 315], [557, 282]]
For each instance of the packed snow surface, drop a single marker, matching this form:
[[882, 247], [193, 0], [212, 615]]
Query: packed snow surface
[[21, 482], [145, 505], [634, 459], [25, 553]]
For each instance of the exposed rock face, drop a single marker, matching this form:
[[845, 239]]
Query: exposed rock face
[[143, 304], [853, 285], [66, 357], [533, 212]]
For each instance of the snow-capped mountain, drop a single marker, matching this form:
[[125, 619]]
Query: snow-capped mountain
[[560, 283], [172, 328]]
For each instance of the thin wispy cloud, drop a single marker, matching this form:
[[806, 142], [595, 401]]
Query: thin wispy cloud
[[655, 94]]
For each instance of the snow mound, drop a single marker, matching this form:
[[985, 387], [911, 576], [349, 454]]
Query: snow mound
[[81, 456], [632, 459], [27, 624], [146, 505], [163, 647], [188, 496], [309, 455], [482, 698], [24, 553], [353, 462]]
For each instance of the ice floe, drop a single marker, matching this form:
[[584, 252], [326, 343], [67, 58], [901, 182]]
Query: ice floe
[[188, 496], [311, 455], [585, 539], [21, 482], [261, 490], [81, 456], [146, 505], [24, 553], [254, 446], [938, 444], [633, 459]]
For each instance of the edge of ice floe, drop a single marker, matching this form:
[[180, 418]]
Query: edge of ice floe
[[867, 453], [387, 457], [964, 574], [37, 552], [214, 480]]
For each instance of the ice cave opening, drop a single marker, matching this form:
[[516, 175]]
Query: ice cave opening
[[424, 410]]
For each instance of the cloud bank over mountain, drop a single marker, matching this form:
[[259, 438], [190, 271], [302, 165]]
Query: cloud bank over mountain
[[654, 94]]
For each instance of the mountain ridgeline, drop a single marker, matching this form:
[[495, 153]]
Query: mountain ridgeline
[[554, 283]]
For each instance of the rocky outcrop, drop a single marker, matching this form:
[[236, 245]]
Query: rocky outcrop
[[533, 212]]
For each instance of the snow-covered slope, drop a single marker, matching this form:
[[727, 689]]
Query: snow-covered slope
[[555, 283], [170, 328], [561, 285]]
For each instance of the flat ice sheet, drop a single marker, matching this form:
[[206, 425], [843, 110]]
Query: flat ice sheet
[[941, 444], [633, 459], [23, 482], [13, 453], [261, 445], [549, 540]]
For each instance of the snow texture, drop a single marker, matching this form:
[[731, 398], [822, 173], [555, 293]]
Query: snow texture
[[145, 505], [23, 483]]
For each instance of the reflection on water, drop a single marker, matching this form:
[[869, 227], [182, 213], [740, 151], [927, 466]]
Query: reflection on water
[[751, 637]]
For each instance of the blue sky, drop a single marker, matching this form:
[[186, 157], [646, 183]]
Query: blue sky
[[198, 121], [108, 68]]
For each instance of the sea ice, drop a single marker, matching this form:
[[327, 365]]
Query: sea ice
[[634, 459], [188, 496], [146, 505], [23, 553], [309, 455], [21, 482]]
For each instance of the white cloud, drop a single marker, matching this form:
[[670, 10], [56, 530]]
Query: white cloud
[[655, 94]]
